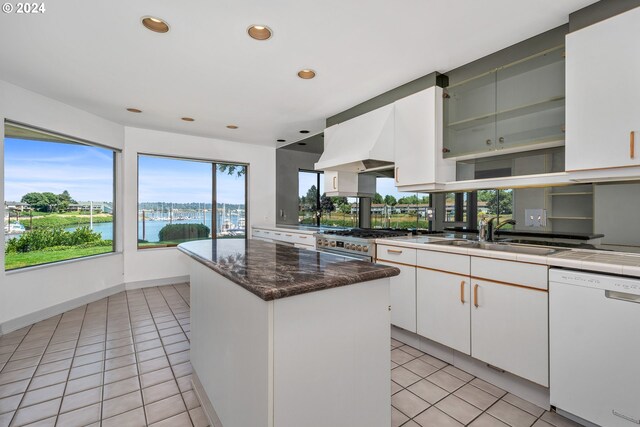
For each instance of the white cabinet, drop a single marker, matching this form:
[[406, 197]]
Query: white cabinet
[[603, 94], [403, 298], [510, 329], [403, 286], [340, 183], [443, 308], [300, 240], [418, 142]]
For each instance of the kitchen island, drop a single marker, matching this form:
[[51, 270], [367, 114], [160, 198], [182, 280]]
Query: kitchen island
[[287, 337]]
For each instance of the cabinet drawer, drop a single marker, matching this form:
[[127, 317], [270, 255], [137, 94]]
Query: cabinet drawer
[[396, 254], [518, 273], [303, 239], [444, 261]]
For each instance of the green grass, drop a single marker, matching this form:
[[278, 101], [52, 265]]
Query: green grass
[[29, 259], [63, 221]]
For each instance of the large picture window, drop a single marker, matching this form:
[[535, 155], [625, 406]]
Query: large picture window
[[315, 208], [59, 198], [181, 200]]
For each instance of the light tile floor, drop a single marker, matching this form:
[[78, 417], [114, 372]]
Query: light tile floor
[[121, 361], [124, 361], [428, 392]]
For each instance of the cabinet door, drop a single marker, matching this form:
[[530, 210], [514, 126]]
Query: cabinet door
[[510, 329], [403, 297], [342, 183], [443, 308], [603, 94], [418, 140], [531, 101], [469, 117]]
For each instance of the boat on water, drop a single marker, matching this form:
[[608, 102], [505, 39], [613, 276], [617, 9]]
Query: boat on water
[[14, 228]]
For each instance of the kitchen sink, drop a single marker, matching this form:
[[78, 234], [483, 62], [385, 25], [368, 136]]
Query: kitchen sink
[[503, 247]]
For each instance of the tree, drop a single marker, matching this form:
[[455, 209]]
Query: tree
[[389, 200], [413, 199], [326, 204], [230, 169], [498, 201], [41, 202], [377, 199]]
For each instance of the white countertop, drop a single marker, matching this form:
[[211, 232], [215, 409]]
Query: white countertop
[[581, 259]]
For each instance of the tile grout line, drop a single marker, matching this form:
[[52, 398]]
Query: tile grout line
[[165, 351], [135, 355], [37, 366], [16, 349], [104, 357]]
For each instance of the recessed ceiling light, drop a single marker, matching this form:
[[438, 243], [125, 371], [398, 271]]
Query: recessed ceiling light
[[306, 74], [134, 110], [187, 119], [304, 131], [259, 32], [232, 127], [302, 143], [156, 25], [282, 140]]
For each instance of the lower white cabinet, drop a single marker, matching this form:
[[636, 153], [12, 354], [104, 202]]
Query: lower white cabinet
[[510, 329], [443, 314], [403, 297], [299, 240]]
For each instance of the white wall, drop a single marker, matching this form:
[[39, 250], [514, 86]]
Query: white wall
[[27, 291], [150, 264], [616, 208]]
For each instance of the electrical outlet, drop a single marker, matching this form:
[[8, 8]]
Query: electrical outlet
[[535, 217]]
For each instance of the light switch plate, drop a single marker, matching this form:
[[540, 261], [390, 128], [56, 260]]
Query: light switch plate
[[535, 217]]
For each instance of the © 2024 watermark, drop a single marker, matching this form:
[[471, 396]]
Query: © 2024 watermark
[[24, 8]]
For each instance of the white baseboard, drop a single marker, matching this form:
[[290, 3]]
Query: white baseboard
[[207, 407], [28, 319], [54, 310], [156, 282], [514, 384]]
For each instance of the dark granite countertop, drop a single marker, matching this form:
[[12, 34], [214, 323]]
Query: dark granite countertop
[[274, 270]]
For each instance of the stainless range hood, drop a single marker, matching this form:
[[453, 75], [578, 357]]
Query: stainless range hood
[[362, 144]]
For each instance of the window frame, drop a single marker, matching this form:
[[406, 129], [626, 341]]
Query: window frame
[[213, 163], [71, 140]]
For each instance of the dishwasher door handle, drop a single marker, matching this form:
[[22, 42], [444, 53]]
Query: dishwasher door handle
[[622, 296]]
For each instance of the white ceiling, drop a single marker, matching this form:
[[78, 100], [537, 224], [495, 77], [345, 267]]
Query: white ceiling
[[96, 55]]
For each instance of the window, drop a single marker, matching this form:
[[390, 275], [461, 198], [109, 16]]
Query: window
[[393, 209], [312, 200], [176, 199], [59, 198], [310, 187], [456, 207], [495, 203]]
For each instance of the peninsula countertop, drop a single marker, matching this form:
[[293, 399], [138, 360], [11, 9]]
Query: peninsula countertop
[[273, 270]]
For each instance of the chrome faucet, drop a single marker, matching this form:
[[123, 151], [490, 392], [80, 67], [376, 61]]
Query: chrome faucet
[[492, 230], [488, 231]]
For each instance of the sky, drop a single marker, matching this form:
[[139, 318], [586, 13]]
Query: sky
[[183, 181], [36, 166], [87, 173]]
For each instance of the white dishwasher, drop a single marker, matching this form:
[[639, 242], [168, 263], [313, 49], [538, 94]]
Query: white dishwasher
[[594, 334]]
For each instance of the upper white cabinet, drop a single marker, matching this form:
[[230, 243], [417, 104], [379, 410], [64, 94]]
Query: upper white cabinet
[[418, 142], [603, 94]]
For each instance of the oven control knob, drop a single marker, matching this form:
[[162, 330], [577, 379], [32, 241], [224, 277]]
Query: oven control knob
[[326, 242], [365, 249], [333, 244], [319, 242], [359, 248], [348, 246]]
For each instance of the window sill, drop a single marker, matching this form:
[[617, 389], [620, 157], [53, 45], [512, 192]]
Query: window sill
[[59, 263]]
